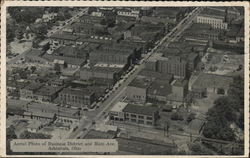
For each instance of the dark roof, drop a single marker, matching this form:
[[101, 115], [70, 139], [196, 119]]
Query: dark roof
[[82, 92], [140, 83], [144, 110], [206, 80], [33, 86], [48, 90], [35, 52], [65, 36], [156, 75], [160, 88], [68, 60], [103, 69], [192, 56]]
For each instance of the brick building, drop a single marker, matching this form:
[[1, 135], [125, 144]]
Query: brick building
[[47, 93], [134, 114], [28, 91], [173, 65], [63, 39], [211, 83], [217, 22], [137, 90], [76, 97], [101, 72], [143, 115]]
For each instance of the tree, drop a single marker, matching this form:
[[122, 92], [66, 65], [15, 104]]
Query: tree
[[19, 34], [10, 30], [33, 68], [57, 68], [10, 133]]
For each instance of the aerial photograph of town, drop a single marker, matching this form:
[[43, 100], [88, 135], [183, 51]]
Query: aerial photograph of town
[[158, 80]]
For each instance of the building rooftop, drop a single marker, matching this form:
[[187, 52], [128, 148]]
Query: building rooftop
[[139, 83], [212, 16], [34, 124], [68, 60], [206, 80], [192, 56], [35, 52], [118, 107], [155, 75], [33, 86], [79, 91], [48, 90], [180, 83], [103, 69], [144, 110], [160, 88], [65, 36]]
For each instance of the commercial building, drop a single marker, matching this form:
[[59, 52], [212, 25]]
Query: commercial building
[[128, 12], [143, 115], [47, 93], [87, 19], [211, 83], [179, 91], [173, 65], [153, 75], [68, 56], [63, 39], [113, 73], [76, 97], [173, 14], [116, 113], [159, 90], [217, 22], [28, 91], [111, 57], [137, 90], [203, 32], [135, 114], [35, 56]]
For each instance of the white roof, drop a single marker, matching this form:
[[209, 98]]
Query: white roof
[[118, 107]]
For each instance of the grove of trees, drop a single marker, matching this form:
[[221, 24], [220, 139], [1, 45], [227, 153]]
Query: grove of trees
[[226, 110]]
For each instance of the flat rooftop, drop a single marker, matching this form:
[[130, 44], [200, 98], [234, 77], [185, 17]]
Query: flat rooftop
[[118, 107], [140, 83], [205, 80], [143, 110]]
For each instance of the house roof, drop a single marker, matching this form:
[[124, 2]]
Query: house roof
[[144, 110]]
